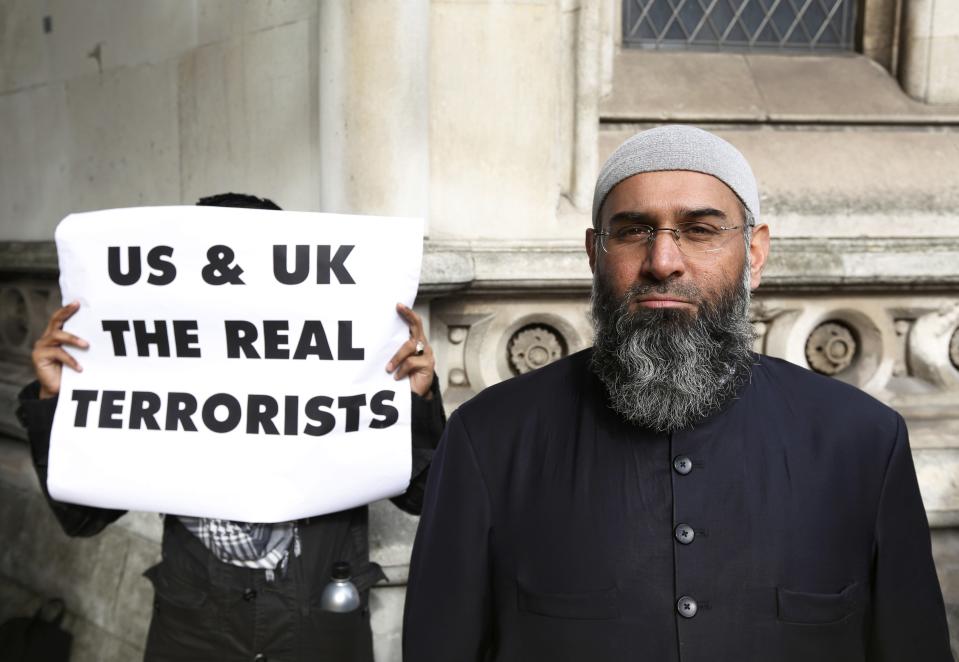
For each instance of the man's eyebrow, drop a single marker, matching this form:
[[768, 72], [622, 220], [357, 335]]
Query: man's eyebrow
[[632, 217], [701, 212]]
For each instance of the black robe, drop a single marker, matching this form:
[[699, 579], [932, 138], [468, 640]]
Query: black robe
[[788, 526]]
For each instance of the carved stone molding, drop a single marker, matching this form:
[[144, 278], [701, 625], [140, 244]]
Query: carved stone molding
[[25, 306], [28, 258], [497, 311], [795, 265], [480, 341]]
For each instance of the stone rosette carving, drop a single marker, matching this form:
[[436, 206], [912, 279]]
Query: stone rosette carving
[[533, 347], [831, 348]]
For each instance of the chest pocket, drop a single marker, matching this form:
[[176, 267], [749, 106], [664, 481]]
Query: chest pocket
[[818, 608], [591, 605]]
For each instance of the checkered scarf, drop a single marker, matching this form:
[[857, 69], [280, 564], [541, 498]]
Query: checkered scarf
[[260, 546]]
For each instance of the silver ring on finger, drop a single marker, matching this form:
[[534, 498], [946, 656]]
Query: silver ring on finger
[[420, 347]]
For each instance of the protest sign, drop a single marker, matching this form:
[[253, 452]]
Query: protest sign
[[236, 366]]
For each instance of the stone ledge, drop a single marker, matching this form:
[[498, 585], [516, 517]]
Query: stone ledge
[[759, 87], [795, 264], [28, 257]]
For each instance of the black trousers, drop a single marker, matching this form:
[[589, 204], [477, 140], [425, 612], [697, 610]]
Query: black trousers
[[205, 609]]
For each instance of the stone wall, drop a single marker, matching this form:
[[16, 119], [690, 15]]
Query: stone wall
[[123, 104], [490, 118]]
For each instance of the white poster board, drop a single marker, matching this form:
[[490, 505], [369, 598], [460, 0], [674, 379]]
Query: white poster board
[[236, 366]]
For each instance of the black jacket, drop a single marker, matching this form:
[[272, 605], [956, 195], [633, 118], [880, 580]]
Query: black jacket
[[789, 526], [209, 610]]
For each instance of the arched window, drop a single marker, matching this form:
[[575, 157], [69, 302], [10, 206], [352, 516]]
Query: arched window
[[738, 25]]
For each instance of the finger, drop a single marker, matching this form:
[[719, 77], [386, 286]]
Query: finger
[[412, 320], [56, 355], [405, 350], [414, 364], [57, 337], [67, 359], [66, 338], [61, 315]]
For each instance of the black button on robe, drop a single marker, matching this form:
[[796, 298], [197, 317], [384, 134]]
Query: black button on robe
[[549, 530]]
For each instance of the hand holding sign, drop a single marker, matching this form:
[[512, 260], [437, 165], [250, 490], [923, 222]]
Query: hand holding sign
[[203, 373], [48, 355], [408, 362]]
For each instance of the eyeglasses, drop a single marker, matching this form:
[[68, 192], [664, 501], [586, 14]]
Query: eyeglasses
[[695, 239]]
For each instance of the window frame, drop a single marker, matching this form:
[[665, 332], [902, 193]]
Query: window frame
[[850, 37]]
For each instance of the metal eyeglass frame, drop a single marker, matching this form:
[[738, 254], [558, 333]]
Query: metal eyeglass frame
[[677, 236]]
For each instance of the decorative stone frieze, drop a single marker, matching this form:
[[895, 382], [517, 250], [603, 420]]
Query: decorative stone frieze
[[498, 310]]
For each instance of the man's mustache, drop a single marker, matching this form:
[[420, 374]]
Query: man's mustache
[[670, 287]]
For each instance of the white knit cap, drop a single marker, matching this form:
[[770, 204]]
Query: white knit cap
[[678, 147]]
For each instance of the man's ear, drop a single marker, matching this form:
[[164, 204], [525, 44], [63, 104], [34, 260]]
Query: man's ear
[[591, 248], [758, 252]]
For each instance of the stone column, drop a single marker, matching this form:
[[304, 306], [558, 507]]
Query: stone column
[[375, 159], [374, 106], [929, 56], [588, 82]]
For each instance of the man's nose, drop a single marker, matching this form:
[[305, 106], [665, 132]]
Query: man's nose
[[663, 258]]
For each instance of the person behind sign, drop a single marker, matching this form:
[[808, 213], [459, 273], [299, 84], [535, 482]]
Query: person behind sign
[[238, 591]]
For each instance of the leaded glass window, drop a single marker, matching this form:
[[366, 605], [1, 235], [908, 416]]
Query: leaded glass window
[[752, 25]]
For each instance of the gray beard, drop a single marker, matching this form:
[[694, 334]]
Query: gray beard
[[668, 369]]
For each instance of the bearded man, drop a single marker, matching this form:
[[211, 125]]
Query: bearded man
[[669, 494]]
